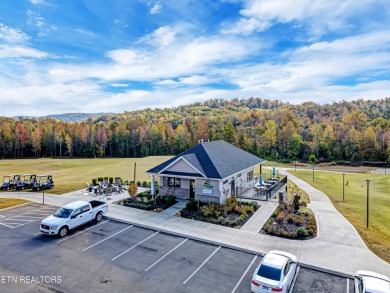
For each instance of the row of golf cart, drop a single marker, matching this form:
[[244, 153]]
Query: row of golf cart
[[27, 181]]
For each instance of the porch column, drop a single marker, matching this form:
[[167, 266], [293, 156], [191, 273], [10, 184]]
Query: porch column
[[152, 184]]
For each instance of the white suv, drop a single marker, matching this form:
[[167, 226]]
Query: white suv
[[275, 273], [370, 282]]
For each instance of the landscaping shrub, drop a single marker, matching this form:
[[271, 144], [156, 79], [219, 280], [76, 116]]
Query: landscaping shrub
[[298, 220], [301, 232], [191, 205], [242, 217], [143, 193], [100, 179], [139, 183], [303, 203], [297, 197], [290, 218], [277, 211], [280, 216], [111, 180], [170, 200], [144, 184], [207, 210], [94, 181], [132, 189], [305, 212], [105, 178], [311, 225]]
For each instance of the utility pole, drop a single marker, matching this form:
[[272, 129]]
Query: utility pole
[[343, 185]]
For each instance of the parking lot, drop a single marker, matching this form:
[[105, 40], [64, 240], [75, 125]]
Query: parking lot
[[117, 257]]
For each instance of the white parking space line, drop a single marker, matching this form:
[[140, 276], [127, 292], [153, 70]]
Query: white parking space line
[[81, 232], [134, 246], [28, 216], [347, 285], [107, 238], [26, 223], [207, 259], [18, 219], [23, 214], [2, 216], [7, 225], [244, 274], [37, 233], [166, 254], [294, 279]]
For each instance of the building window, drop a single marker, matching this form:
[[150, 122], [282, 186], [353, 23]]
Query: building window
[[173, 182], [249, 176], [165, 181], [177, 182]]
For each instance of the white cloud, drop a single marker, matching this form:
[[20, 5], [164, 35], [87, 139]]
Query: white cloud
[[37, 1], [119, 85], [155, 7], [7, 51], [12, 35], [319, 16], [161, 37], [246, 26], [34, 18]]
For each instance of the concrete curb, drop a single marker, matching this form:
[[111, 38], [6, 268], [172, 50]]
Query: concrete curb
[[226, 245]]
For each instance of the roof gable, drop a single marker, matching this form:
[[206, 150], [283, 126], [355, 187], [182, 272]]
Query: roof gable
[[216, 159]]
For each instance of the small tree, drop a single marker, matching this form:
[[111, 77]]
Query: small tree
[[312, 160], [133, 189], [297, 197]]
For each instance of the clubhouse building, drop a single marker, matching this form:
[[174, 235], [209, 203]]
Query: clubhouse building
[[209, 171]]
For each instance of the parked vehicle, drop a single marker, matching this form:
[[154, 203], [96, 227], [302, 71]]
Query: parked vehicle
[[371, 282], [43, 182], [26, 181], [275, 273], [9, 183], [72, 216]]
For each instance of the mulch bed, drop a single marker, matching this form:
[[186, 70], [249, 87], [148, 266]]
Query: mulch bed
[[232, 219], [279, 225]]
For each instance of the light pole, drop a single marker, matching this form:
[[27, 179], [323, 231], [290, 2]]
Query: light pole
[[43, 194], [343, 185], [368, 188], [313, 172]]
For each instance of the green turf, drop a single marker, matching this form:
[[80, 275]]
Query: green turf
[[377, 236], [73, 174], [10, 202]]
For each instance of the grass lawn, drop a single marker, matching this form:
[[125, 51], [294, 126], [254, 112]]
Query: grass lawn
[[377, 236], [10, 202], [293, 189], [72, 174]]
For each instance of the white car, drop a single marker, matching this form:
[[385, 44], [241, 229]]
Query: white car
[[370, 282], [275, 272], [72, 216]]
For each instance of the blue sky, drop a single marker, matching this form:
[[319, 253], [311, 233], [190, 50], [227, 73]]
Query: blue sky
[[123, 55]]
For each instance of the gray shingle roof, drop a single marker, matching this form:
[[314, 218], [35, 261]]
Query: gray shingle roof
[[217, 159]]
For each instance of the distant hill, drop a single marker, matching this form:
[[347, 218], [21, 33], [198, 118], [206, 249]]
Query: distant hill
[[70, 117]]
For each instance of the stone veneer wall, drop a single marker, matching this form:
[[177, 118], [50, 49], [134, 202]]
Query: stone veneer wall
[[176, 191], [207, 198]]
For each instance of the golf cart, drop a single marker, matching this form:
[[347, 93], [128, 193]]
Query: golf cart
[[27, 181], [43, 182], [9, 183]]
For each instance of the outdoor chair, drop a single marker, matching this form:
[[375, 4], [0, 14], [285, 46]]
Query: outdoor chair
[[108, 191], [90, 187]]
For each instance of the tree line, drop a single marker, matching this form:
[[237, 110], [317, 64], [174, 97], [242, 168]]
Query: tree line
[[342, 131]]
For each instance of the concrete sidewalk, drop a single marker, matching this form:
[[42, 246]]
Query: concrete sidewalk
[[338, 247]]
